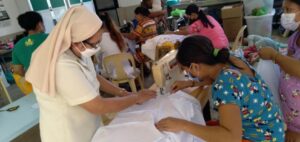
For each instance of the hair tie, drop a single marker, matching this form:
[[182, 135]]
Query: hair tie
[[216, 52]]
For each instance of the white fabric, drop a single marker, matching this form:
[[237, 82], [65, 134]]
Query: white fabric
[[149, 48], [61, 117], [143, 117], [156, 6], [270, 73], [109, 47]]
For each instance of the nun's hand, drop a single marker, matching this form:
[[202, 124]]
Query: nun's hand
[[145, 95]]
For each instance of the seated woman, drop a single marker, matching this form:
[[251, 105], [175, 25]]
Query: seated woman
[[205, 25], [146, 27], [145, 30], [156, 12], [243, 100], [112, 43]]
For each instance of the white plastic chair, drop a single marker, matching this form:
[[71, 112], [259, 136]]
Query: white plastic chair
[[114, 66], [239, 39], [3, 91]]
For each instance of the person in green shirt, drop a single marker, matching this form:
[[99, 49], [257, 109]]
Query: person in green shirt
[[33, 25]]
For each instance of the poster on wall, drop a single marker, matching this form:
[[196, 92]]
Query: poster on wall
[[3, 12]]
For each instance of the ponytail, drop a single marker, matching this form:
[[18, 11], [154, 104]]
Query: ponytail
[[114, 34], [192, 8], [202, 16]]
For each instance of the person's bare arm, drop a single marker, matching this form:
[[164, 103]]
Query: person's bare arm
[[18, 69], [101, 106], [157, 14], [110, 88], [230, 129], [290, 53], [286, 63]]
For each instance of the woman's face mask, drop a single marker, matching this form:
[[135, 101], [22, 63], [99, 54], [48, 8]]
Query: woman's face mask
[[288, 21], [89, 52]]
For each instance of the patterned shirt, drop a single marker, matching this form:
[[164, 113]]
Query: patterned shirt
[[145, 30], [261, 118]]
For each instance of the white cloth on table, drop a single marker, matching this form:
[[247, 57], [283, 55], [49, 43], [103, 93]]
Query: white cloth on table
[[136, 123], [149, 48]]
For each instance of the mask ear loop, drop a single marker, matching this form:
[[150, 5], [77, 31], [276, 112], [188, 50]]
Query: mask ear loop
[[76, 48]]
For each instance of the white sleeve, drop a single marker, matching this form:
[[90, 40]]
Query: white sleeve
[[72, 84]]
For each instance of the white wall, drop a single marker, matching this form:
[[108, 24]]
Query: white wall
[[13, 12], [23, 6], [16, 7], [59, 12], [128, 3]]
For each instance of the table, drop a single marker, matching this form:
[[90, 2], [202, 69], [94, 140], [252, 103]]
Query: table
[[13, 124], [136, 123], [206, 3]]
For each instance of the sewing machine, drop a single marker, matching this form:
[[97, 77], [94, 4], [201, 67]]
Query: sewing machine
[[166, 71]]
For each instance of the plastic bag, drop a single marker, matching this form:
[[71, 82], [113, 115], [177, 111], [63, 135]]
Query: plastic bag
[[270, 73]]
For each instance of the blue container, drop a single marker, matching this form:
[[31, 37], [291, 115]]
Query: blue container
[[172, 2]]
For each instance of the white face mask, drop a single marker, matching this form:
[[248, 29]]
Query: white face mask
[[288, 21], [89, 52]]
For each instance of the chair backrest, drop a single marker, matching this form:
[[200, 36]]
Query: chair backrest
[[4, 93], [115, 64], [239, 39]]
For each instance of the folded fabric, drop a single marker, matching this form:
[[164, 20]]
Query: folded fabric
[[137, 123], [128, 132]]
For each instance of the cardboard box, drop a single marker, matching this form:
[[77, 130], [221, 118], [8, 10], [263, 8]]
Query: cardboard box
[[232, 17]]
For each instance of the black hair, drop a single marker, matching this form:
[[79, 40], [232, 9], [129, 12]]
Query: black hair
[[20, 36], [199, 49], [113, 32], [295, 1], [144, 3], [29, 20], [193, 8], [142, 10]]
